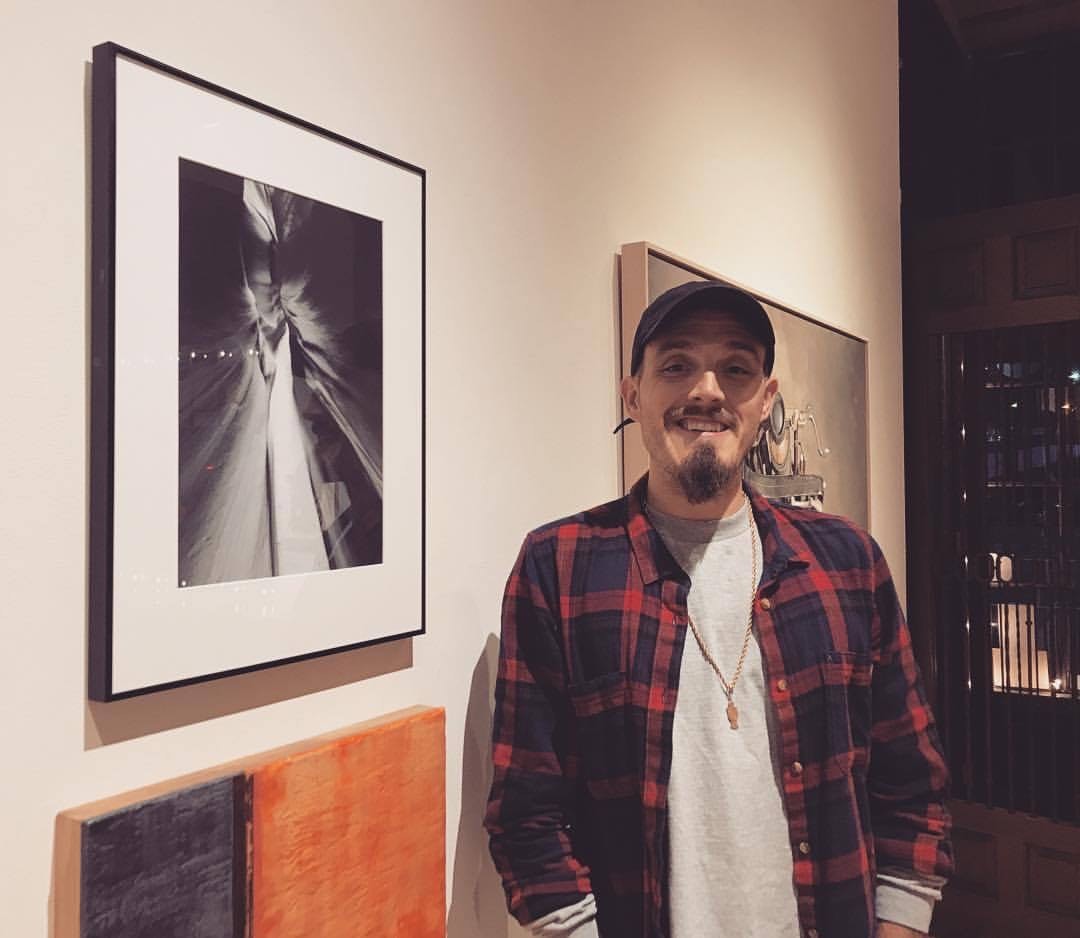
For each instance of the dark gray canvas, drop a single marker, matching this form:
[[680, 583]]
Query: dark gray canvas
[[171, 867]]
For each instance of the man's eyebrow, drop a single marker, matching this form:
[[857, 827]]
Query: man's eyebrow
[[667, 345]]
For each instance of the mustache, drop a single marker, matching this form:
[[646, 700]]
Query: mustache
[[719, 414]]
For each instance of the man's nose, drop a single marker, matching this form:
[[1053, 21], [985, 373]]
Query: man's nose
[[707, 387]]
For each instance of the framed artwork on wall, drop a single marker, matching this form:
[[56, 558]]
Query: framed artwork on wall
[[257, 475], [814, 450]]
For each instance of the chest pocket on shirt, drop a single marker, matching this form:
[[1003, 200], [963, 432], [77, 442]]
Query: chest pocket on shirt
[[607, 735], [846, 677]]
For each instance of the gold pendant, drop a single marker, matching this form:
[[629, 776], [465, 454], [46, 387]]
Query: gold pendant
[[733, 714]]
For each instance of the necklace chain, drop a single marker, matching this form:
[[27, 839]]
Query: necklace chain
[[728, 687]]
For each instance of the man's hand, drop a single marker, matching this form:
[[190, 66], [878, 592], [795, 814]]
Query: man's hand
[[892, 930]]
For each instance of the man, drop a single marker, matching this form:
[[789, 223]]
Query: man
[[709, 722]]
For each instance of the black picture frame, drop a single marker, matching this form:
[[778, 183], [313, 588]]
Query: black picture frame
[[352, 604]]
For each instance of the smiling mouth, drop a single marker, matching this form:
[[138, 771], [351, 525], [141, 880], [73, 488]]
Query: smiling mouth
[[696, 424]]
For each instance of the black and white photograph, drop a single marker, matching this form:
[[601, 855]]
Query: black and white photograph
[[280, 381]]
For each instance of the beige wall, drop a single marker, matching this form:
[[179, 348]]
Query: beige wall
[[757, 137]]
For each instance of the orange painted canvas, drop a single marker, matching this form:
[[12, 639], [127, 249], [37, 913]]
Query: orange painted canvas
[[348, 838]]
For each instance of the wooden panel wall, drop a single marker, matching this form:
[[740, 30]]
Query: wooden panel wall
[[1019, 265], [1015, 875], [1006, 267]]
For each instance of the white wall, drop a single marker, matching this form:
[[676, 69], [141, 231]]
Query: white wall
[[757, 137]]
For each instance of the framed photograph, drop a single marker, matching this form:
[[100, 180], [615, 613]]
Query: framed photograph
[[257, 474], [814, 449]]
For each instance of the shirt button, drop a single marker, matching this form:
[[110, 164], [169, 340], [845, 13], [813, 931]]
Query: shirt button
[[804, 848], [796, 769], [781, 685], [766, 604]]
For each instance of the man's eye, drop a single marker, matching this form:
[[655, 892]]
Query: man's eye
[[673, 368]]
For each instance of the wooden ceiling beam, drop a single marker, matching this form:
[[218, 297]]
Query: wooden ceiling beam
[[952, 21], [1014, 27]]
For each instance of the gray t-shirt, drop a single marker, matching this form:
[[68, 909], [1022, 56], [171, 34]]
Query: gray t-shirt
[[730, 873]]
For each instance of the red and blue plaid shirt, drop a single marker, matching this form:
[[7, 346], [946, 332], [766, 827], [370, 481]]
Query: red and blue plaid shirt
[[594, 625]]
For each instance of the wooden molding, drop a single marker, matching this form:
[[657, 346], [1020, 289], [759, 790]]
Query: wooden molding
[[1045, 263], [976, 862], [1027, 263], [955, 276], [1053, 880]]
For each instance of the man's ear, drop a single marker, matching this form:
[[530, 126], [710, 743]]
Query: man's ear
[[630, 395], [771, 387]]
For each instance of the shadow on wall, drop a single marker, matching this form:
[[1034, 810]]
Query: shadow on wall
[[144, 715], [477, 906]]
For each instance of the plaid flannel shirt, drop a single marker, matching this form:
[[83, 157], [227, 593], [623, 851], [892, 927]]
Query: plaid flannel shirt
[[593, 631]]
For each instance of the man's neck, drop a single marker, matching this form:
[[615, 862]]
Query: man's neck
[[666, 496]]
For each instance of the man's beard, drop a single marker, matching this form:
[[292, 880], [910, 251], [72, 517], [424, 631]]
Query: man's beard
[[701, 475]]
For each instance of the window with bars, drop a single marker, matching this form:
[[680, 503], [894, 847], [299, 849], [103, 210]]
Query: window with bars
[[1007, 565]]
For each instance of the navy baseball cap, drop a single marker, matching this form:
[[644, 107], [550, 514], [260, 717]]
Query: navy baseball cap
[[698, 295]]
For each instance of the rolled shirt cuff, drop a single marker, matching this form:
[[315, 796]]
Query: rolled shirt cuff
[[906, 902], [572, 921]]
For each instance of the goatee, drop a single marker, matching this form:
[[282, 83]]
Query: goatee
[[701, 476]]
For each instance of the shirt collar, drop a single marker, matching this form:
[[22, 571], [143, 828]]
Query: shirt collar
[[781, 545], [654, 561]]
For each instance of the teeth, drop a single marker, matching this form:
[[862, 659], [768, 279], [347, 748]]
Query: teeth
[[705, 425]]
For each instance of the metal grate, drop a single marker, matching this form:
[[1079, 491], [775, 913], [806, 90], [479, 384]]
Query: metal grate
[[1007, 565]]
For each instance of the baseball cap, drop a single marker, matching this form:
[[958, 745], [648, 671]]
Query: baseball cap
[[704, 294]]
